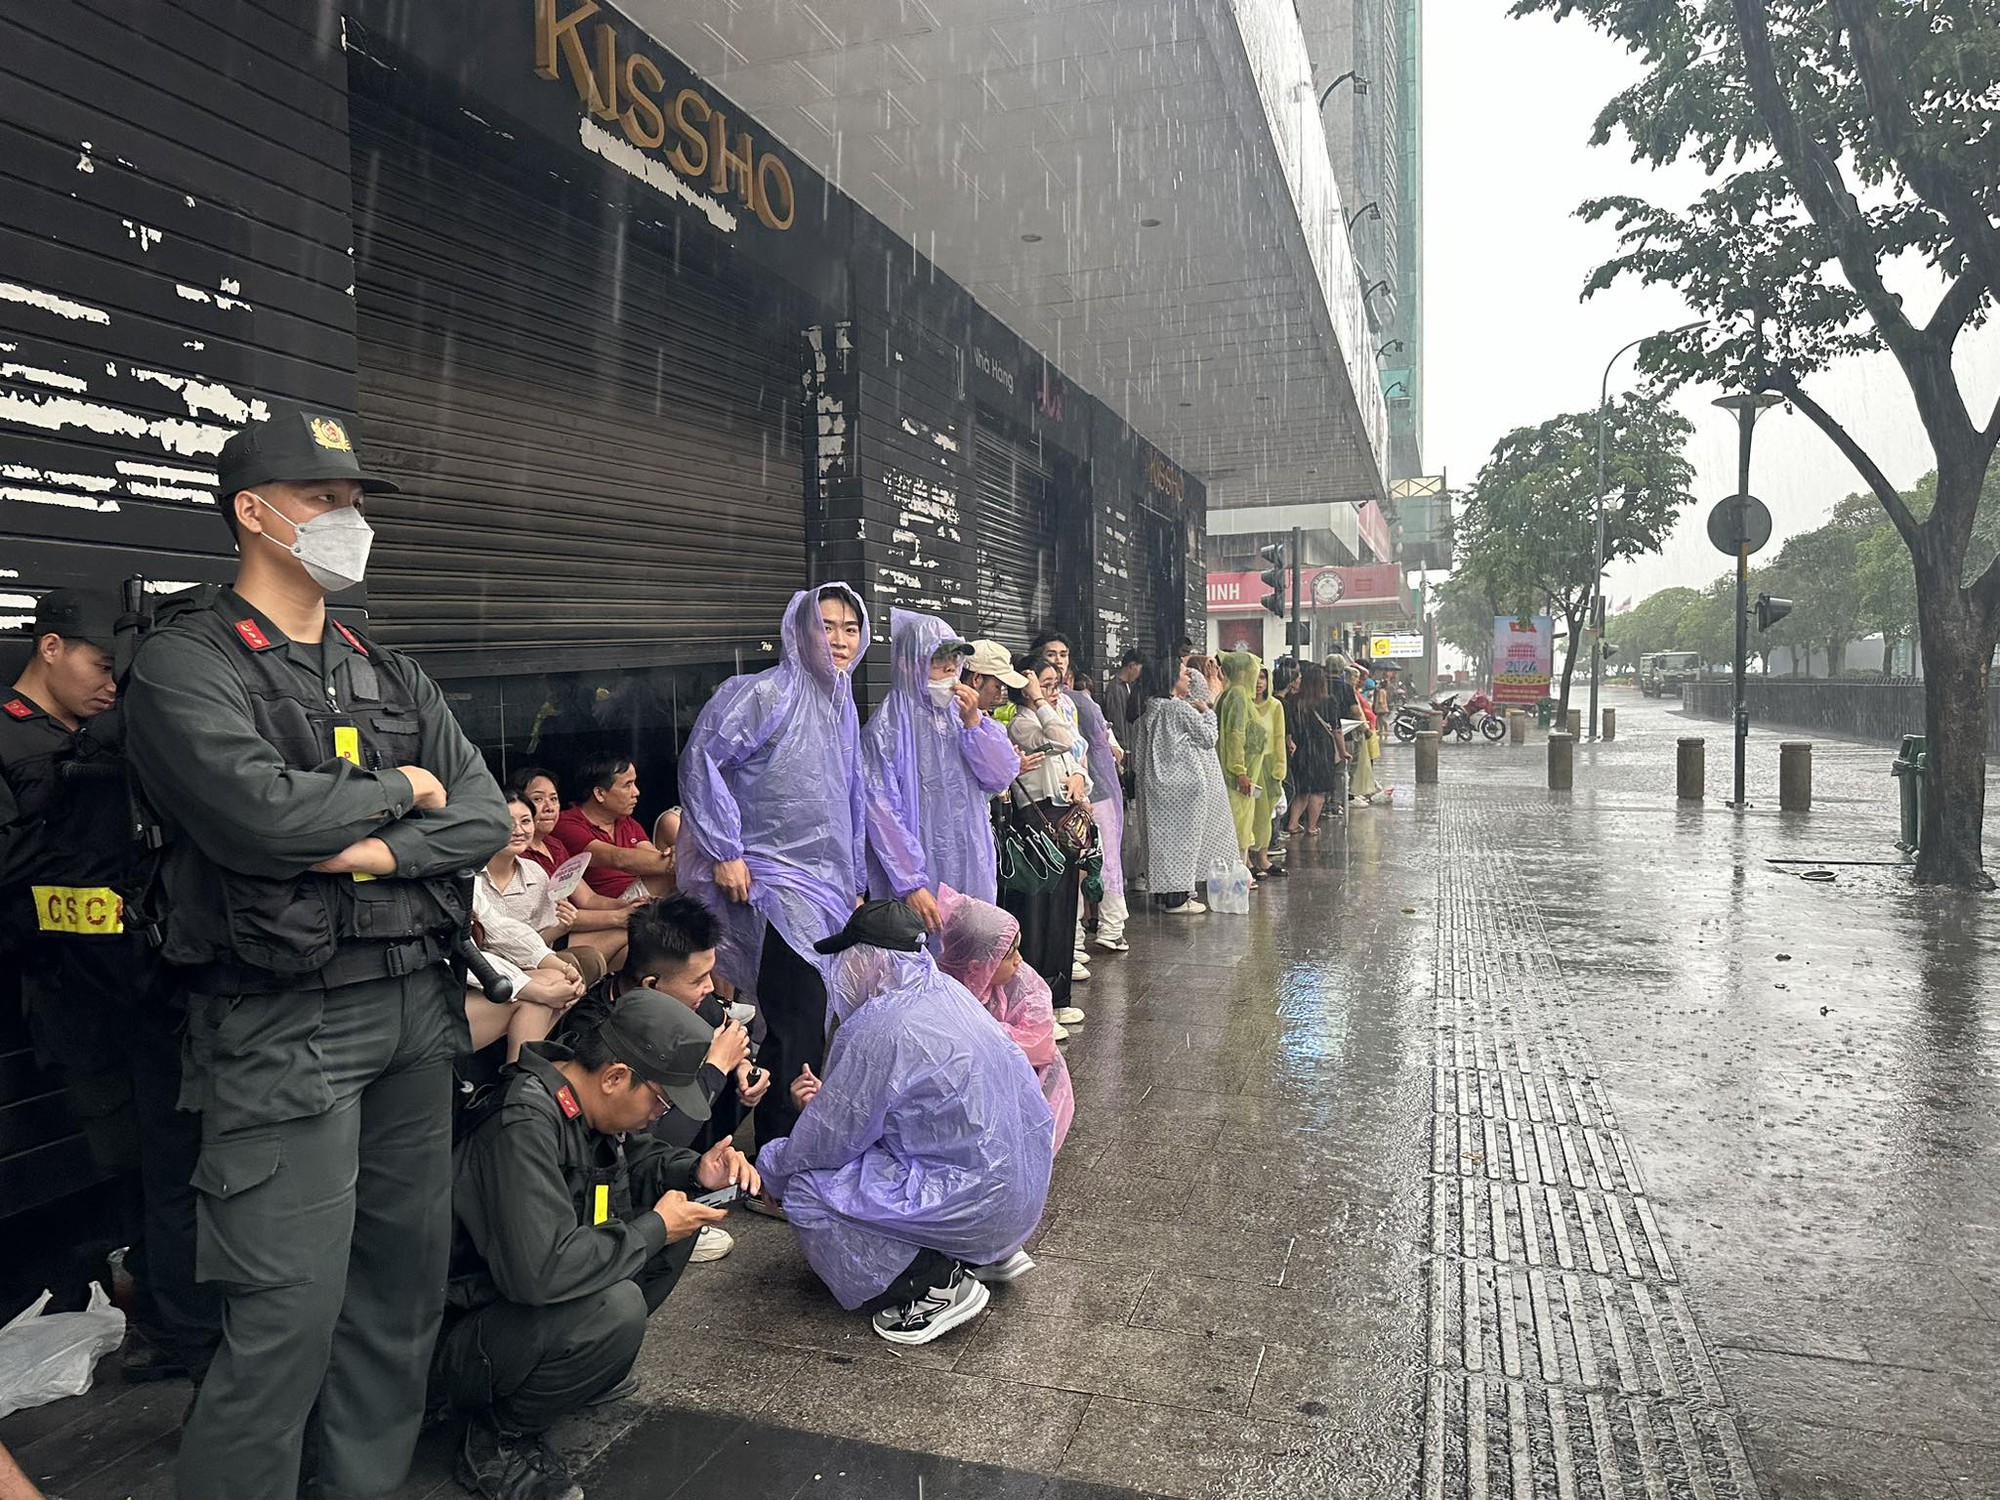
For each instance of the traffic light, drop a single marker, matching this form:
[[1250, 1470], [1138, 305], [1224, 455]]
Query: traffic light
[[1771, 609], [1609, 651], [1274, 577]]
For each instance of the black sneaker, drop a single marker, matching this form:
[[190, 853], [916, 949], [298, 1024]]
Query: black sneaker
[[938, 1311], [501, 1465]]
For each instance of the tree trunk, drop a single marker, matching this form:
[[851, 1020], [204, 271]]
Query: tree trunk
[[1569, 671], [1957, 710], [1834, 651], [1888, 654]]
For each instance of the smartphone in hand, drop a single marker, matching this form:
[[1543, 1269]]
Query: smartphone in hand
[[727, 1197]]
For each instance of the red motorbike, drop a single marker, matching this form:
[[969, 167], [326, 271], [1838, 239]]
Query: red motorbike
[[1477, 715]]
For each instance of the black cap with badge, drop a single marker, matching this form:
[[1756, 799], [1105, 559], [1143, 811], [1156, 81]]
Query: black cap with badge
[[877, 924], [78, 615], [293, 445], [663, 1042]]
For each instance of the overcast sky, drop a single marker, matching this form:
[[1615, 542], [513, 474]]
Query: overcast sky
[[1508, 107]]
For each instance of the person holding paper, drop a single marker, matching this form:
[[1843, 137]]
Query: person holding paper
[[599, 921], [600, 823]]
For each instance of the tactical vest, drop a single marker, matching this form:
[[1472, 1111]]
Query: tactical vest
[[600, 1192], [71, 854], [262, 933]]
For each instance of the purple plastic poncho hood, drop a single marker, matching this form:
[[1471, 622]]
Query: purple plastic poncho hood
[[928, 778], [771, 775], [930, 1131]]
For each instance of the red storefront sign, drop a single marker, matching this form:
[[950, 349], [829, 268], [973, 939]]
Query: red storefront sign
[[1371, 587]]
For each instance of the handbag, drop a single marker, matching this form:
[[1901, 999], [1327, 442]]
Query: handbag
[[1030, 864]]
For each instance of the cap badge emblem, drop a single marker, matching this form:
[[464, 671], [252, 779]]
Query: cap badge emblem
[[330, 434]]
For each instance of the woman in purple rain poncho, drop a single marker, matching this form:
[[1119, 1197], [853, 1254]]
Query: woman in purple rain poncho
[[772, 838], [980, 947], [930, 760], [928, 1145]]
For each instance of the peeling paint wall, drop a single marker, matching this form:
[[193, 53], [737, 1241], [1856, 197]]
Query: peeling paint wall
[[180, 276]]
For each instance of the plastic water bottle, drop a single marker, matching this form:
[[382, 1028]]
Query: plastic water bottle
[[1239, 890], [1218, 887]]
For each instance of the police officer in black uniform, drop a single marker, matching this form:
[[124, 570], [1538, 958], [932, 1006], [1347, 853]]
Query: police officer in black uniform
[[96, 1008], [320, 805], [574, 1224]]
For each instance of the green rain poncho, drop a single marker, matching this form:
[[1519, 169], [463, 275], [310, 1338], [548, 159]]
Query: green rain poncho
[[1243, 741]]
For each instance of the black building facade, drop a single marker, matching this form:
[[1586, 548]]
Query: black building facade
[[640, 371]]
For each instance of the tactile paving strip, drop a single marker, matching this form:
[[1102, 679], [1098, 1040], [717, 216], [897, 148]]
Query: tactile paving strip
[[1564, 1360]]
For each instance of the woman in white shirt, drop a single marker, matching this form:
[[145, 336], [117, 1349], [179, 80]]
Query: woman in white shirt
[[1055, 775]]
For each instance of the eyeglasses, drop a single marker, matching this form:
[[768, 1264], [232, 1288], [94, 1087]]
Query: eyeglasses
[[661, 1104]]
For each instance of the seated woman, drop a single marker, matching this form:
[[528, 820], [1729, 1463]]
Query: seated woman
[[918, 1169], [600, 920], [544, 983], [980, 947]]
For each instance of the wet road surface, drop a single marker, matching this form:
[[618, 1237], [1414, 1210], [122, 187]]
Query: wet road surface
[[1518, 1144]]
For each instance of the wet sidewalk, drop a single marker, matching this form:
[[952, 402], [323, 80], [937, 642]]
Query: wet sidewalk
[[1517, 1144]]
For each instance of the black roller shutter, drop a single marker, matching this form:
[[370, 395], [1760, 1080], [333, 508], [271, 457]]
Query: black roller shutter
[[1014, 494], [594, 416]]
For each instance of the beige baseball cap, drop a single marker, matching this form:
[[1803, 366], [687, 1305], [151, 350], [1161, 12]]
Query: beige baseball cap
[[990, 659]]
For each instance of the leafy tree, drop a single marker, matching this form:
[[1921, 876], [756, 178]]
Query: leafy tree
[[1816, 571], [1529, 525], [1651, 625], [1466, 609], [1839, 135]]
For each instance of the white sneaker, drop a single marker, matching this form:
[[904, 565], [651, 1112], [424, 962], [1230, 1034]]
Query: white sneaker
[[1079, 974], [1188, 908], [1069, 1015], [1062, 1032], [711, 1244], [1114, 945], [1013, 1268], [938, 1311]]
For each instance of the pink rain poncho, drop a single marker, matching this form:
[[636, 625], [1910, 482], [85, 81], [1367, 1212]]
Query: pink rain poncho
[[771, 776], [930, 1131], [927, 778], [976, 940]]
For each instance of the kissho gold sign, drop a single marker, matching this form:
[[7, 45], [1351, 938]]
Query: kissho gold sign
[[690, 134]]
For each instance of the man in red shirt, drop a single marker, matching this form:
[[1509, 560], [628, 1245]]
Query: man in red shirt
[[602, 822]]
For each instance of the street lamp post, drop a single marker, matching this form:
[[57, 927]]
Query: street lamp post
[[1748, 406], [1595, 619]]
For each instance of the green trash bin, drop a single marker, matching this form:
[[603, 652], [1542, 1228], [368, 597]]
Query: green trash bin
[[1911, 768], [1545, 712]]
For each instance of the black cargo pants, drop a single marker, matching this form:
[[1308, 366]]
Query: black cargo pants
[[529, 1366], [325, 1223]]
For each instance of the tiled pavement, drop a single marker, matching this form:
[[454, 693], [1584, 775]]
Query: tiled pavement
[[1561, 1059]]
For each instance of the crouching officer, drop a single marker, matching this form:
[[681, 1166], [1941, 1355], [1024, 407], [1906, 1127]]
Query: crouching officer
[[573, 1226], [319, 803], [95, 1006]]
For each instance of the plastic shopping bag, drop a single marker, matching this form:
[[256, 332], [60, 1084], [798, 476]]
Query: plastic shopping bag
[[46, 1356]]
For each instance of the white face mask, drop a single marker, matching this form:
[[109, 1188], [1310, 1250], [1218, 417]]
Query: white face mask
[[332, 548], [941, 691]]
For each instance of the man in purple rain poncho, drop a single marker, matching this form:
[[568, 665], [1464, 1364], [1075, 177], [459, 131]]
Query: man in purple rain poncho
[[929, 760], [771, 831], [919, 1168]]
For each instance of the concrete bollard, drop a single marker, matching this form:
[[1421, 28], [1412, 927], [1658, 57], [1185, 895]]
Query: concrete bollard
[[1795, 775], [1562, 761], [1691, 769], [1427, 757], [1434, 722], [1609, 729], [1517, 727], [1576, 723]]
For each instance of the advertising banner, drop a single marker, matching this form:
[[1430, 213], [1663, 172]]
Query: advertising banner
[[1524, 657], [1395, 647]]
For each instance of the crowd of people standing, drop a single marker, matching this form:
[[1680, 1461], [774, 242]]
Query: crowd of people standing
[[469, 1077]]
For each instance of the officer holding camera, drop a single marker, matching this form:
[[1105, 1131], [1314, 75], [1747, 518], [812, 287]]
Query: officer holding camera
[[319, 803]]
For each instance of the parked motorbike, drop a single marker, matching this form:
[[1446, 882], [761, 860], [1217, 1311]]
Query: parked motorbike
[[1412, 717], [1483, 715]]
